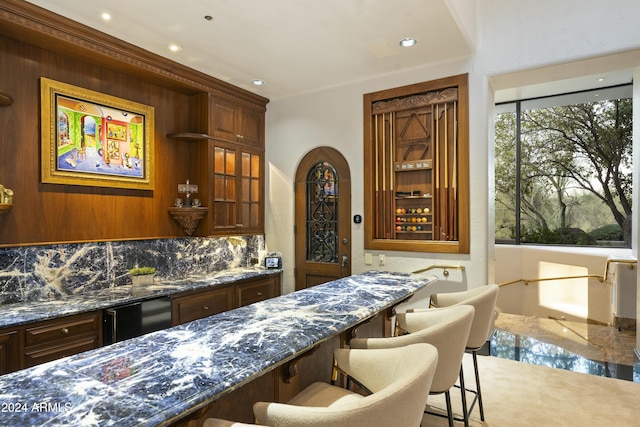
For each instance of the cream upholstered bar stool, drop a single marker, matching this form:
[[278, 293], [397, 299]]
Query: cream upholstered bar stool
[[483, 299], [448, 330], [399, 380]]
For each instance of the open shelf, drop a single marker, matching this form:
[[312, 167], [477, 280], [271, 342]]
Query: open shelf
[[189, 136]]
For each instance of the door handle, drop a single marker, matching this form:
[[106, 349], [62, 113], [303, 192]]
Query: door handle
[[345, 260]]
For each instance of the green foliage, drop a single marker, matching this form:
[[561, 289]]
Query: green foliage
[[575, 171], [608, 232], [559, 236], [140, 271]]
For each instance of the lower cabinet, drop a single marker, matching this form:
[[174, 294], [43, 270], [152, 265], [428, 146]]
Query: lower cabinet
[[40, 342], [62, 337], [257, 290], [9, 351], [204, 303]]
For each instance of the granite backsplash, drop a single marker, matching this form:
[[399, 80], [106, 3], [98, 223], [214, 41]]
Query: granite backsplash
[[41, 273]]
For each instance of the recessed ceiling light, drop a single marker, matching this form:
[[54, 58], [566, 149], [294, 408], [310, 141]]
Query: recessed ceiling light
[[600, 79], [408, 42], [208, 17], [106, 16], [257, 82], [173, 47]]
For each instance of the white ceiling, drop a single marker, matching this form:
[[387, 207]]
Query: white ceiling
[[295, 46]]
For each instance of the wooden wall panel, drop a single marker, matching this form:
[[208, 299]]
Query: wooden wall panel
[[63, 213], [37, 43]]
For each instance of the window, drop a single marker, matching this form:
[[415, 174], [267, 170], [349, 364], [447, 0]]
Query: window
[[563, 171]]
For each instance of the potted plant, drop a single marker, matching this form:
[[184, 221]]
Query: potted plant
[[142, 275]]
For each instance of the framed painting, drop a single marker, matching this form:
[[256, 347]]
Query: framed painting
[[93, 139]]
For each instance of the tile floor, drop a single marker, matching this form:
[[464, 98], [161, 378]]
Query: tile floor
[[579, 347]]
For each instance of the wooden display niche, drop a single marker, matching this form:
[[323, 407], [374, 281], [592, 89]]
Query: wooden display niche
[[417, 162]]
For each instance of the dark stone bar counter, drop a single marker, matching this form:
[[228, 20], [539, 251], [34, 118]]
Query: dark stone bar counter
[[162, 377]]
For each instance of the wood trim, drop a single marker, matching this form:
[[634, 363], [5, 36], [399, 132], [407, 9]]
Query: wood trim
[[39, 27]]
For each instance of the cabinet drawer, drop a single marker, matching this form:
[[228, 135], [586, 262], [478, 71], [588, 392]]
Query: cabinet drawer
[[46, 353], [256, 291], [204, 304], [68, 328]]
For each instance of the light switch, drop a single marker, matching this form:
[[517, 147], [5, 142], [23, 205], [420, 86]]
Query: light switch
[[368, 259]]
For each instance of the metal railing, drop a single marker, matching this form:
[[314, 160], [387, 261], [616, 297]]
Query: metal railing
[[446, 269], [601, 278]]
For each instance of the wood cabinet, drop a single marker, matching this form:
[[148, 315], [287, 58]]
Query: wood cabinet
[[210, 301], [202, 304], [233, 122], [54, 339], [417, 167], [257, 290], [9, 351], [238, 190], [227, 142]]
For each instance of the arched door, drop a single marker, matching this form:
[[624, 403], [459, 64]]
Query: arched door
[[322, 218]]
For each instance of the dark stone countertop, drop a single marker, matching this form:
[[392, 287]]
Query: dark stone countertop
[[157, 378]]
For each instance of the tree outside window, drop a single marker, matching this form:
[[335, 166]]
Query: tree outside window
[[563, 171]]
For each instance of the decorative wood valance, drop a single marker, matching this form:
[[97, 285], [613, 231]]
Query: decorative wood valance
[[415, 101]]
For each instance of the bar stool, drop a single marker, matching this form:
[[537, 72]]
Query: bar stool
[[483, 299], [398, 380], [448, 330]]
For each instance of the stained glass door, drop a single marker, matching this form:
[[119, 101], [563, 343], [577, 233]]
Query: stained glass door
[[323, 211]]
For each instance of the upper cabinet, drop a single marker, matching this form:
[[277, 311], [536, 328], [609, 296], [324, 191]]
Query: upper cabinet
[[233, 122], [227, 140], [238, 190], [417, 167]]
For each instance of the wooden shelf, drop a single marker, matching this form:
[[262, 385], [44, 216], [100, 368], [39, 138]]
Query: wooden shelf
[[189, 136], [5, 208], [188, 218], [5, 99]]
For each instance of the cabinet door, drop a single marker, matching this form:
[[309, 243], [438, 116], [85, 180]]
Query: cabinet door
[[9, 352], [62, 337], [238, 191], [236, 123], [223, 120], [203, 304], [225, 194], [251, 127], [257, 290], [251, 214]]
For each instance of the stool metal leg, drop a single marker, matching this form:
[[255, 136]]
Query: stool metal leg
[[478, 391]]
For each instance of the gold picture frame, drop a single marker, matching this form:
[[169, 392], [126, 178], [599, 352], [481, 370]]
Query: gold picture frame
[[93, 139]]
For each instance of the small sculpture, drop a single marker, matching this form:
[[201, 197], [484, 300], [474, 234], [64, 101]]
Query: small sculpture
[[6, 195]]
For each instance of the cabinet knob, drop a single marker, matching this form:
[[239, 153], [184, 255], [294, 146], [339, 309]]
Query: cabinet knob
[[65, 331], [259, 294], [239, 136], [205, 307]]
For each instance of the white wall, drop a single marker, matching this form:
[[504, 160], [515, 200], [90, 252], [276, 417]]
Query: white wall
[[578, 299], [512, 36]]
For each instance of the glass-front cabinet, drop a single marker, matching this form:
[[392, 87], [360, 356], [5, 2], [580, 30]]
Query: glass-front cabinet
[[416, 167], [227, 163], [238, 190]]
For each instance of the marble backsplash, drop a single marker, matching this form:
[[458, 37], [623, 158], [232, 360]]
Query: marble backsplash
[[40, 273]]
